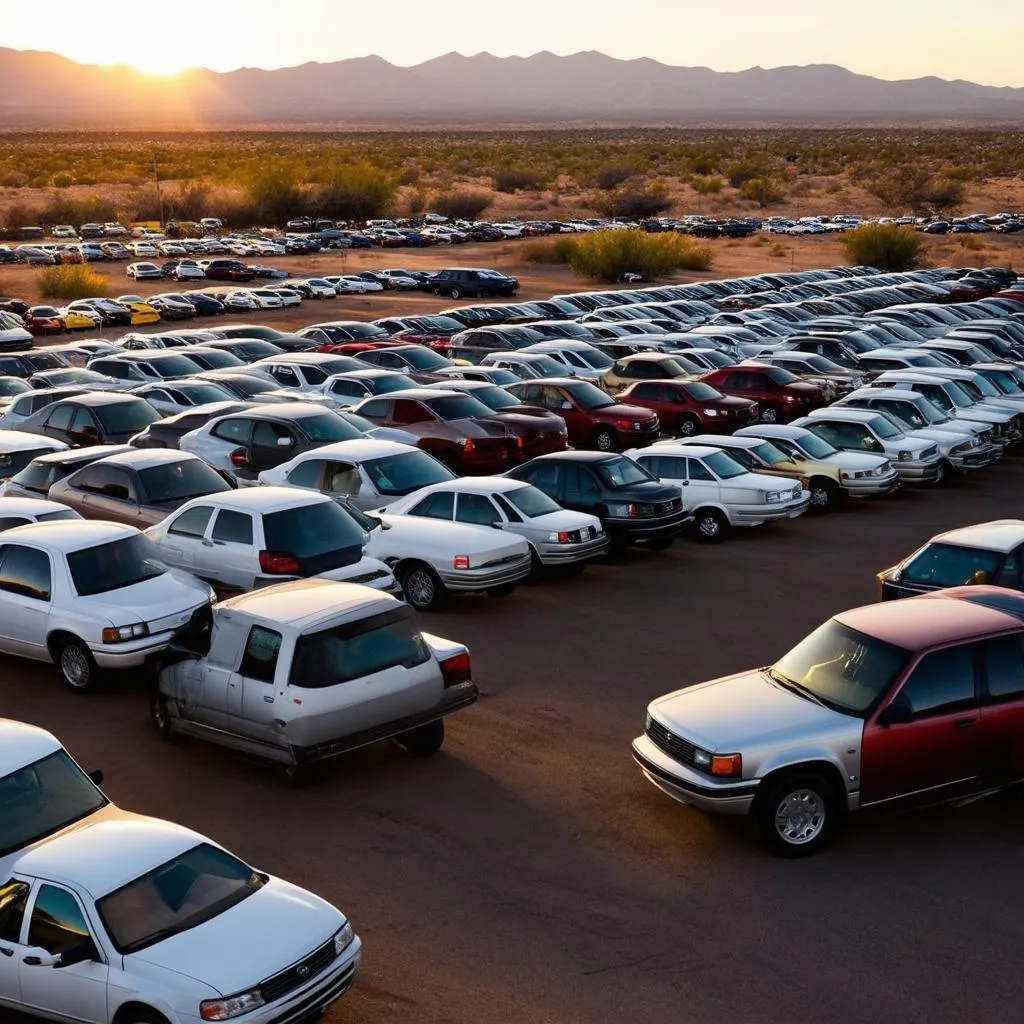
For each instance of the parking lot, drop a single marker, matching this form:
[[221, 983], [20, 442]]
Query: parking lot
[[529, 873]]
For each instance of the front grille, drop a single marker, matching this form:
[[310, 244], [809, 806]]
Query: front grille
[[298, 974], [666, 508], [930, 453], [673, 745]]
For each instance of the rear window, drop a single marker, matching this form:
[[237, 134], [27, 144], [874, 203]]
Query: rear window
[[14, 462], [321, 537], [326, 428], [179, 481], [38, 476], [358, 649], [13, 386], [127, 417], [949, 565]]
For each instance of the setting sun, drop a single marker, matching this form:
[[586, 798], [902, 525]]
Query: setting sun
[[160, 64]]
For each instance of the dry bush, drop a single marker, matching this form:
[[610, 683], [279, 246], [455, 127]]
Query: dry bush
[[777, 250], [708, 186], [762, 191], [635, 203], [519, 179], [612, 175], [72, 281], [460, 205], [548, 250], [607, 255], [886, 246]]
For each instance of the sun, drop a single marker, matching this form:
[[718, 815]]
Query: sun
[[162, 65]]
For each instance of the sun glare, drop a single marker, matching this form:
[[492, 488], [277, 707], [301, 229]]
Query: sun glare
[[160, 64]]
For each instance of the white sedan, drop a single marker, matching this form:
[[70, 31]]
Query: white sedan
[[135, 920], [17, 511], [320, 288], [144, 271], [241, 540], [89, 595], [288, 296]]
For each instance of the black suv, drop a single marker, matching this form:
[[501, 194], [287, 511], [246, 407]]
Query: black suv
[[457, 282]]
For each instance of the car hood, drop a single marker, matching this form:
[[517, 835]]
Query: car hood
[[489, 427], [626, 412], [440, 537], [299, 921], [165, 601], [850, 460], [562, 521], [744, 711], [530, 418]]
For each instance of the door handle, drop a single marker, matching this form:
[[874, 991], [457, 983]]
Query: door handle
[[6, 952], [32, 961], [964, 723]]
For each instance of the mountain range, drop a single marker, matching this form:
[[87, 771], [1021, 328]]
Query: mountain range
[[45, 90]]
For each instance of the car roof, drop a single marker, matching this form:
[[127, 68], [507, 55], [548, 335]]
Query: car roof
[[843, 412], [14, 505], [646, 357], [722, 441], [422, 394], [312, 358], [93, 451], [575, 456], [1002, 535], [478, 485], [770, 430], [19, 440], [106, 855], [370, 373], [556, 381], [304, 604], [70, 534], [680, 448], [357, 449], [940, 617], [97, 398], [146, 458], [281, 411], [262, 499], [21, 744]]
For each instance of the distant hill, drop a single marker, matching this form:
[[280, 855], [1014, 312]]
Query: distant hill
[[44, 90]]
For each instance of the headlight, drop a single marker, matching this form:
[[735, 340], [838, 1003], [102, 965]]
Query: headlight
[[906, 456], [119, 634], [964, 447], [701, 758], [774, 496], [710, 412], [618, 510], [233, 1006], [647, 721], [343, 939]]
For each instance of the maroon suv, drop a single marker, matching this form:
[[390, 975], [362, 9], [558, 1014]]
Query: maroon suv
[[455, 428], [228, 270], [592, 418], [535, 430], [688, 407], [780, 395]]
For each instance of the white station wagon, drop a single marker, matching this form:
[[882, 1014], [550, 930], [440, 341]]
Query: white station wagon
[[304, 671], [718, 490], [88, 595]]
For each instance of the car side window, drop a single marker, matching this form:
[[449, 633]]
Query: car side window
[[405, 411], [698, 471], [57, 922], [1010, 574], [375, 410], [192, 523], [10, 522], [941, 683], [578, 484], [646, 391], [477, 509], [510, 513], [237, 431], [666, 467], [162, 395], [60, 416], [307, 474], [544, 477], [109, 481], [392, 362], [268, 434], [233, 527], [285, 376], [1003, 657], [83, 422], [439, 505], [259, 660], [313, 374], [834, 434], [13, 899], [346, 387]]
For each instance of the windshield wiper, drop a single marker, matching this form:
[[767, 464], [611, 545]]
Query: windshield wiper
[[791, 684]]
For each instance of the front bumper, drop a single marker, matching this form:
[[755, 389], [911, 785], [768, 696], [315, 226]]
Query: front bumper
[[568, 554], [470, 580], [690, 787], [657, 528], [918, 472], [638, 438], [871, 486], [755, 515], [132, 653], [976, 458]]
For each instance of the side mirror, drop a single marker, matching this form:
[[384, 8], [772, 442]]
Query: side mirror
[[980, 578], [899, 712], [285, 442], [96, 776], [565, 405], [82, 953], [37, 957]]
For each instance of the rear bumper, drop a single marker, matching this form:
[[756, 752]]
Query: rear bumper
[[470, 580]]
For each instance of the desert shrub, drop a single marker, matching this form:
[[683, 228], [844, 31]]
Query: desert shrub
[[763, 191], [274, 194], [742, 171], [63, 179], [519, 179], [636, 203], [703, 163], [612, 175], [708, 186], [354, 192], [71, 281], [886, 246], [461, 205], [607, 255], [14, 179], [548, 250]]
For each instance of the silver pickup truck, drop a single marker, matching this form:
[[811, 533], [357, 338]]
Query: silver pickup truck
[[274, 676]]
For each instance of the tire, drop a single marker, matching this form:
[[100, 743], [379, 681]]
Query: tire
[[142, 1015], [797, 814], [824, 495], [503, 591], [710, 526], [687, 426], [946, 473], [424, 740], [76, 665], [423, 590], [770, 414], [456, 293], [436, 291], [604, 439], [159, 713]]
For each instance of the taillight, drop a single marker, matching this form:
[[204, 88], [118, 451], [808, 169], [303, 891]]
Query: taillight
[[239, 457], [456, 670], [625, 424], [276, 564], [460, 562], [468, 446]]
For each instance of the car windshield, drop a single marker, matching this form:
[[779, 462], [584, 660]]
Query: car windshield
[[701, 392], [13, 386], [14, 462], [359, 332], [588, 396], [55, 378], [118, 563], [884, 428], [406, 472], [201, 394], [246, 386], [422, 358], [949, 565], [55, 517], [254, 349], [1005, 381], [822, 364], [840, 667], [769, 454], [326, 427], [38, 476], [46, 361], [985, 386], [956, 394], [457, 407], [387, 383], [175, 482], [622, 472], [211, 358], [178, 895], [358, 649], [495, 398], [723, 466], [780, 376], [530, 501], [128, 416], [598, 360]]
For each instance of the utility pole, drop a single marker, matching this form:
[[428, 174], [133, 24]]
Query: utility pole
[[159, 197]]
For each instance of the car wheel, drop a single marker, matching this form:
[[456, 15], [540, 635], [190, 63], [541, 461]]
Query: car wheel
[[159, 713], [424, 740], [824, 494], [770, 414], [604, 439], [796, 814], [945, 472], [436, 290], [710, 526], [142, 1016], [76, 665], [503, 591], [687, 425], [455, 293], [422, 587]]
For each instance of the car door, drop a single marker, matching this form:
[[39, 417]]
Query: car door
[[84, 429], [57, 923], [579, 489], [58, 423], [559, 401], [926, 741], [272, 443], [341, 480], [14, 895], [26, 593], [227, 556], [184, 535], [227, 437], [284, 375], [106, 492], [477, 510], [436, 505], [252, 695], [1002, 664]]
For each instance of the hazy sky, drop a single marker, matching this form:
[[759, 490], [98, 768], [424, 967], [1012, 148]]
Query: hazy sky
[[888, 38]]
